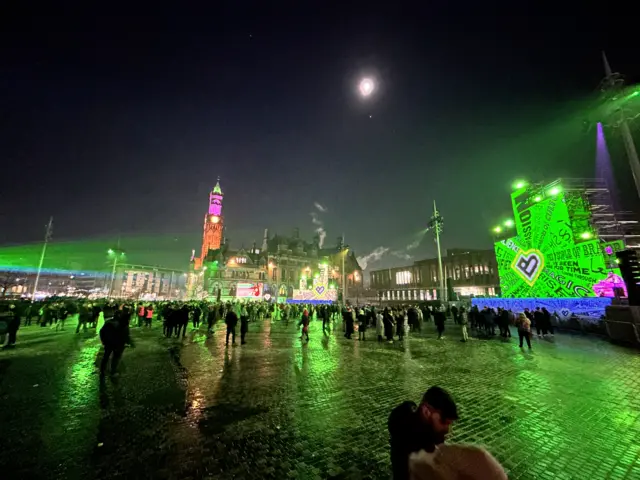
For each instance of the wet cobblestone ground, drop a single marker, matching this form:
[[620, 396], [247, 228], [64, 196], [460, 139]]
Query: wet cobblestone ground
[[277, 409]]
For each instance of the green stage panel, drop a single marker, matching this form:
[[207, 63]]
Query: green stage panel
[[554, 253]]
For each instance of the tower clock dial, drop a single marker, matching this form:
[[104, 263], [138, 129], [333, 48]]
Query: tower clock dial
[[214, 219]]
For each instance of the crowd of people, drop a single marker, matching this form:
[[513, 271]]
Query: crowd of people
[[391, 323], [417, 431]]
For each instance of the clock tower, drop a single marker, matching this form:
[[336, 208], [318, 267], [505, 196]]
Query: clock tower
[[213, 225]]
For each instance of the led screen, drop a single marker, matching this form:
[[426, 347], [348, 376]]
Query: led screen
[[554, 252]]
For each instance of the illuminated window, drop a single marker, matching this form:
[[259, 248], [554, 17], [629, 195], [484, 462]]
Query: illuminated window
[[241, 260], [403, 278]]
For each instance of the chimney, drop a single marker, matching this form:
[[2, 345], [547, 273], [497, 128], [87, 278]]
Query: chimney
[[296, 233]]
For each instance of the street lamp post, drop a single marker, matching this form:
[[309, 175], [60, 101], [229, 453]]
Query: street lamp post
[[115, 253], [355, 284], [436, 224], [345, 249], [47, 237], [344, 279]]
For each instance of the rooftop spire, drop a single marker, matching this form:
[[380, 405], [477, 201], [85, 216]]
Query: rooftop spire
[[217, 188]]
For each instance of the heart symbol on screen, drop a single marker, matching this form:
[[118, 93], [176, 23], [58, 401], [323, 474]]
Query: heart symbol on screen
[[320, 290], [529, 265], [565, 312]]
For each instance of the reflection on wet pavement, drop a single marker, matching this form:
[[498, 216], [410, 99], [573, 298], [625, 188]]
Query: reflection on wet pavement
[[275, 408]]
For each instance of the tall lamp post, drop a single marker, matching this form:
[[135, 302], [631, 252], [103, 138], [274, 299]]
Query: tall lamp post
[[47, 237], [116, 253], [436, 224], [345, 249]]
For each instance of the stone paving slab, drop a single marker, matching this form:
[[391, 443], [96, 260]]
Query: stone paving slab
[[275, 408]]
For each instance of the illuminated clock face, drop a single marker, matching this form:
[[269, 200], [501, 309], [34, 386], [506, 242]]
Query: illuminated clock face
[[215, 219]]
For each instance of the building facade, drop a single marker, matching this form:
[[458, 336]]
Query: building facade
[[51, 283], [273, 270], [467, 273], [149, 282], [213, 225]]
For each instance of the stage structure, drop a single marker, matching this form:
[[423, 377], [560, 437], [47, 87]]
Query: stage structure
[[561, 247], [316, 288], [564, 243]]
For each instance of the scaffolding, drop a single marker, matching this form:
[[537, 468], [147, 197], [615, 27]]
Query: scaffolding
[[589, 202]]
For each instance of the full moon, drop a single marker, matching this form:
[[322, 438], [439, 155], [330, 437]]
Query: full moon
[[366, 87]]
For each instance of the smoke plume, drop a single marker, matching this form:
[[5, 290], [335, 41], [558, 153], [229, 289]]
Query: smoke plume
[[401, 254], [374, 256], [413, 245], [320, 207], [321, 235], [319, 225]]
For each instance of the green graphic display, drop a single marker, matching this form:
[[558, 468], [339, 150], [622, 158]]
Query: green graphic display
[[555, 252]]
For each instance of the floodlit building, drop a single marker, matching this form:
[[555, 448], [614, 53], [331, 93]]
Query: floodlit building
[[148, 282], [282, 268], [467, 273], [277, 270]]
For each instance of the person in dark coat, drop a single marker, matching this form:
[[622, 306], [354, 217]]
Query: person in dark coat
[[95, 314], [197, 313], [413, 428], [400, 324], [414, 323], [244, 324], [114, 335], [438, 319], [182, 317], [211, 317], [348, 322], [84, 317], [454, 312], [362, 324], [547, 321], [387, 320], [304, 322], [538, 319], [13, 324], [231, 320], [326, 323], [167, 320]]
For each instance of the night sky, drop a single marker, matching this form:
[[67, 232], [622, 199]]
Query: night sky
[[119, 125]]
